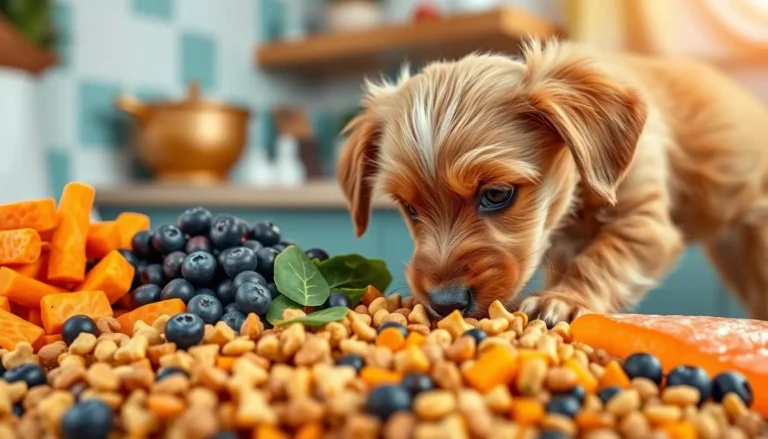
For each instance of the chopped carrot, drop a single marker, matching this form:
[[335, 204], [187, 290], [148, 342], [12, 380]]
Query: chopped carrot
[[5, 303], [583, 376], [17, 330], [310, 431], [113, 275], [57, 308], [527, 411], [371, 293], [496, 366], [391, 338], [103, 237], [20, 246], [165, 406], [128, 224], [149, 313], [614, 376], [414, 339], [374, 376], [593, 420], [35, 270], [225, 363], [267, 431], [681, 430], [39, 215], [23, 290], [67, 261]]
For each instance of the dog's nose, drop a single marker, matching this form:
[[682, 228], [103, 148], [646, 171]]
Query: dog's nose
[[447, 299]]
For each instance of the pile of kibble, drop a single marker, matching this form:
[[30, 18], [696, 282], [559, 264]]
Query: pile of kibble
[[384, 370]]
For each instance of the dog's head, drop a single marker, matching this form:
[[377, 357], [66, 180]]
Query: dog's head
[[483, 156]]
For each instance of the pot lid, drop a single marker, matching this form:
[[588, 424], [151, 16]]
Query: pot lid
[[194, 101]]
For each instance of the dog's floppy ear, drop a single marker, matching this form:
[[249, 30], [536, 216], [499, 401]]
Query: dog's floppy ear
[[357, 166], [599, 119]]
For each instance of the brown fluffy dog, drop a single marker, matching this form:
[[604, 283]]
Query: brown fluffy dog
[[602, 165]]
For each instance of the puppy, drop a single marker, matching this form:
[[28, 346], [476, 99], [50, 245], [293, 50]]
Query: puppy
[[600, 166]]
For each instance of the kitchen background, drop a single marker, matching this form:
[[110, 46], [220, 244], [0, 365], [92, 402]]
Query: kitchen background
[[296, 66]]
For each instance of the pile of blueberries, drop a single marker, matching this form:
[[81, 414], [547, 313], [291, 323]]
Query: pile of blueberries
[[220, 266]]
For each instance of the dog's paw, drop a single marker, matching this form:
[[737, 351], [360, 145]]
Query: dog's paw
[[553, 307]]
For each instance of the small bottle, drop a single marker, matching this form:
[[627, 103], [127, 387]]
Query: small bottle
[[288, 167], [258, 168]]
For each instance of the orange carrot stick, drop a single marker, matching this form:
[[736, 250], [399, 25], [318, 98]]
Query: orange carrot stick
[[149, 313], [113, 275], [20, 246], [57, 308], [5, 303], [103, 237], [23, 290], [67, 262], [128, 223], [17, 330], [39, 215], [35, 270]]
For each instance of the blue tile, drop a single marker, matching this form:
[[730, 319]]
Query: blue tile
[[198, 60], [59, 171], [159, 9], [100, 122], [270, 24], [62, 23]]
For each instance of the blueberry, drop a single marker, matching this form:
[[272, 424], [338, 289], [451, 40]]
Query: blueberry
[[278, 247], [18, 410], [253, 245], [691, 376], [75, 326], [253, 298], [353, 360], [236, 260], [178, 289], [168, 239], [172, 264], [395, 325], [129, 256], [169, 371], [153, 274], [232, 307], [248, 276], [199, 268], [141, 244], [205, 292], [478, 334], [552, 434], [273, 290], [266, 257], [383, 401], [198, 244], [564, 404], [417, 382], [185, 329], [577, 392], [644, 366], [606, 393], [226, 292], [92, 419], [206, 307], [732, 382], [266, 233], [317, 253], [226, 232], [195, 221], [234, 319], [338, 299], [225, 435], [30, 373]]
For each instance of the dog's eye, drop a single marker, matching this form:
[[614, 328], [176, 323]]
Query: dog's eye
[[495, 199], [410, 210]]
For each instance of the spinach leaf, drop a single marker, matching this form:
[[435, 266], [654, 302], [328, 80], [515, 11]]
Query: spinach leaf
[[297, 277], [277, 306], [319, 318], [355, 271]]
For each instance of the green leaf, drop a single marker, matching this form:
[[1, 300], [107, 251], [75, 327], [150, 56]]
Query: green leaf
[[277, 306], [297, 277], [319, 318], [355, 271], [354, 294]]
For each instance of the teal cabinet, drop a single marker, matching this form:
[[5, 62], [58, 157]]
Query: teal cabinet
[[691, 288]]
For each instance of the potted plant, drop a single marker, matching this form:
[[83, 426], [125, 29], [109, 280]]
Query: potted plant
[[25, 36], [346, 15]]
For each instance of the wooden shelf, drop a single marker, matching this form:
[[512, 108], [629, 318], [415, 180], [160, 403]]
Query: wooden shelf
[[375, 49], [17, 52], [319, 195]]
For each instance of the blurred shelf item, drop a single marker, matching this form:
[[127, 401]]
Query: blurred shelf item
[[315, 195], [18, 52], [375, 49]]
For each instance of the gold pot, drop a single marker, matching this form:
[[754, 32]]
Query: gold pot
[[188, 140]]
